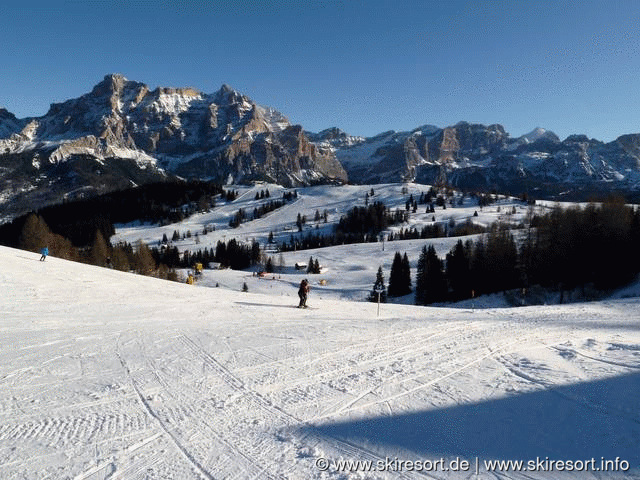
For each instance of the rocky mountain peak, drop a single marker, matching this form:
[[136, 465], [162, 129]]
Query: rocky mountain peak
[[115, 80], [187, 92], [114, 86], [9, 124], [630, 144], [577, 139], [226, 88], [426, 130], [538, 134], [330, 135], [224, 136], [332, 132], [6, 114], [335, 137], [227, 95]]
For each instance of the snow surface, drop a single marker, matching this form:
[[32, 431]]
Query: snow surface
[[105, 374], [364, 153], [535, 134], [351, 269]]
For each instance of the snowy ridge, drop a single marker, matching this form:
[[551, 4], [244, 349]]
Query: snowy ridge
[[175, 103], [536, 134], [275, 120], [365, 152], [475, 156], [165, 131]]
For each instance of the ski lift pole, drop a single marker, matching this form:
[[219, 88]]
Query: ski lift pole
[[379, 289]]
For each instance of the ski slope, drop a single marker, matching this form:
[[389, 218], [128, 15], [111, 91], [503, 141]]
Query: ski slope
[[336, 200], [105, 374], [350, 269]]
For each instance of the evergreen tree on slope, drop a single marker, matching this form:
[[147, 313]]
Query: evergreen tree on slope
[[378, 286]]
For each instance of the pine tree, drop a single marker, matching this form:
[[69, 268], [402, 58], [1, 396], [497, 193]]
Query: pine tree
[[120, 259], [35, 234], [458, 271], [269, 266], [378, 286], [406, 275], [310, 265], [435, 283], [502, 260], [99, 250], [144, 262], [62, 248], [255, 252], [478, 268], [421, 278], [395, 277]]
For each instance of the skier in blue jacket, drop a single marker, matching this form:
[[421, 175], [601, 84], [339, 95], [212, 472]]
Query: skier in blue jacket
[[44, 252]]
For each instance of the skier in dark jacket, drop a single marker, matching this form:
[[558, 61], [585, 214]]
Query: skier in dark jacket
[[303, 293], [44, 252]]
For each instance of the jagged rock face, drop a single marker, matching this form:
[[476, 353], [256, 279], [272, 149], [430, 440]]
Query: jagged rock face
[[478, 156], [455, 143], [389, 156], [9, 124], [222, 136], [630, 145], [335, 137], [179, 127]]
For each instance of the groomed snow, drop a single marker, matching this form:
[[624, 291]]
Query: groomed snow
[[106, 374]]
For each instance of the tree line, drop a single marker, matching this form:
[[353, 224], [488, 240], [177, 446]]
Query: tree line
[[562, 250], [79, 220], [358, 225], [125, 257], [231, 254], [241, 215], [80, 230]]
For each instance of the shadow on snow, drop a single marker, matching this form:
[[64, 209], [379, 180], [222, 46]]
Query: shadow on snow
[[580, 421]]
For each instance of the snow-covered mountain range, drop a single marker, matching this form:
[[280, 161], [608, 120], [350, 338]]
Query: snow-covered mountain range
[[487, 157], [123, 133]]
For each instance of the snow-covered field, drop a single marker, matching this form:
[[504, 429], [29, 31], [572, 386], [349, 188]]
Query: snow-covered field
[[350, 269], [337, 200], [106, 374]]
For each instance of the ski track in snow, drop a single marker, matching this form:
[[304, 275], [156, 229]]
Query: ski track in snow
[[112, 375]]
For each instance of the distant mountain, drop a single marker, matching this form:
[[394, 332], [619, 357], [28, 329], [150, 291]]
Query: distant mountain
[[476, 156], [123, 133], [537, 134]]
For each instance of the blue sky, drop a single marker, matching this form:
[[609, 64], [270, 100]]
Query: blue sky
[[364, 66]]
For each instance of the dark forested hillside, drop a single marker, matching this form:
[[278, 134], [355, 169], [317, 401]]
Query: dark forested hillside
[[79, 220]]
